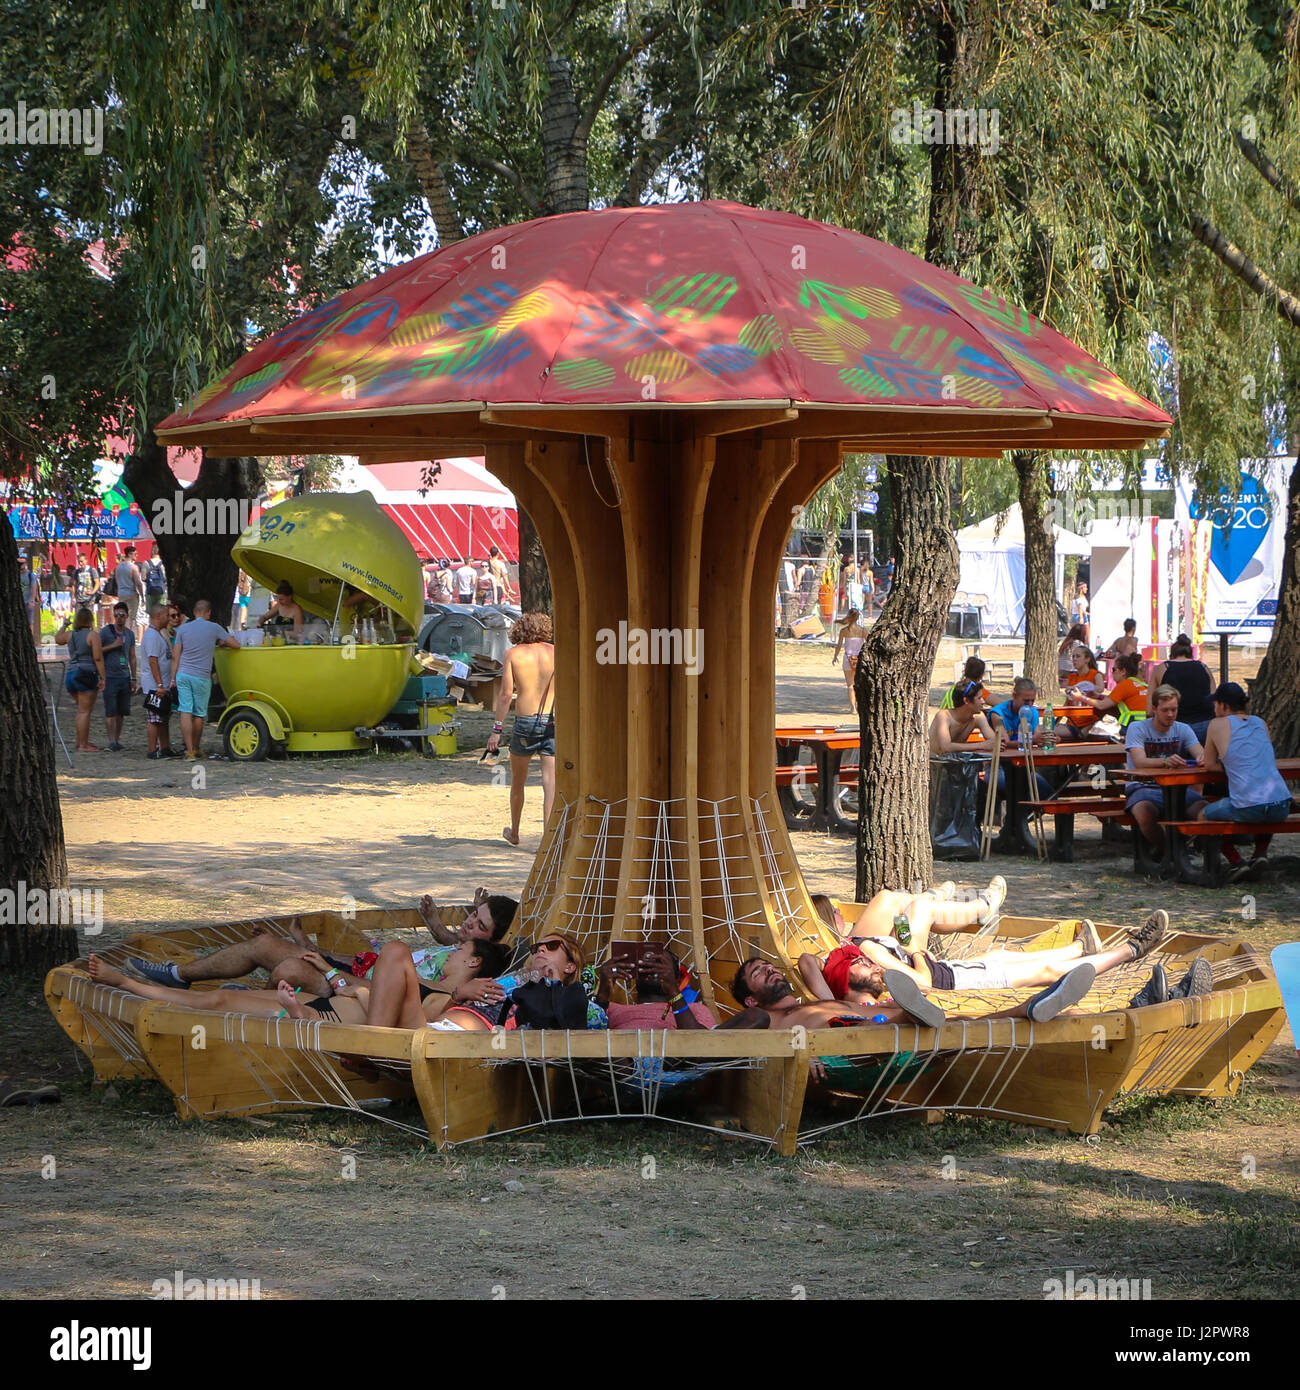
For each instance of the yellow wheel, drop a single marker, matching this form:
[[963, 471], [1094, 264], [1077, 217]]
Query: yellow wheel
[[248, 740]]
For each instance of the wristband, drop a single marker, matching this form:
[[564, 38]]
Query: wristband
[[682, 1010], [496, 728], [677, 998]]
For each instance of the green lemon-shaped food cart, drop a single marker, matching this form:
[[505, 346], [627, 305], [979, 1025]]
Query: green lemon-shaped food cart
[[311, 697]]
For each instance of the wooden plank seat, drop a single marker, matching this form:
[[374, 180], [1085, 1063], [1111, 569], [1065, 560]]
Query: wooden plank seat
[[805, 774], [1214, 832], [1063, 810], [472, 1085]]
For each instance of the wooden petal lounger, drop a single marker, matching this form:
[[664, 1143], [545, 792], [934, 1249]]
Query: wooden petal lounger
[[1060, 1075]]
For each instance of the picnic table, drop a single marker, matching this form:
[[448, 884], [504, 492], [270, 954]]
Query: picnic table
[[827, 743], [1173, 783], [1016, 836]]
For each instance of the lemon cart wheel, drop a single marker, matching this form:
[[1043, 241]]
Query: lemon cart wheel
[[247, 738]]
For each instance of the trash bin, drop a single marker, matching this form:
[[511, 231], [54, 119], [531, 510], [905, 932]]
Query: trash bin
[[954, 805]]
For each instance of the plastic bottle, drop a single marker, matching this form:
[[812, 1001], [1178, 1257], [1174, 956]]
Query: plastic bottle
[[516, 978], [903, 930], [1025, 735]]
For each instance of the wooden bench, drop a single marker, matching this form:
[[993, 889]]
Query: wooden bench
[[1063, 810], [1214, 832], [806, 775]]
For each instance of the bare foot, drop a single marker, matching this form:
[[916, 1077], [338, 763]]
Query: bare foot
[[288, 997], [103, 974], [296, 931], [510, 836]]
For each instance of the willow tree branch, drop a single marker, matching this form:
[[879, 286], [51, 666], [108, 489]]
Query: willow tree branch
[[621, 61], [1270, 172], [1287, 305]]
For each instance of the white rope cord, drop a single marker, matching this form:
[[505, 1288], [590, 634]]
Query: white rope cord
[[548, 870]]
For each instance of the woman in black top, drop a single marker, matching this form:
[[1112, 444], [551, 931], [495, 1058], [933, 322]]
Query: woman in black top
[[1193, 682]]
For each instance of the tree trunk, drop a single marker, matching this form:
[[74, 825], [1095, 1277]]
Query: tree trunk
[[893, 678], [32, 851], [535, 594], [893, 682], [198, 562], [1274, 696], [433, 181], [564, 145], [1040, 569]]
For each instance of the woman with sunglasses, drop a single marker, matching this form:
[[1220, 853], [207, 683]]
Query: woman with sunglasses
[[558, 1000]]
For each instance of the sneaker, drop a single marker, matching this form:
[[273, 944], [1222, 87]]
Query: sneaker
[[1150, 934], [1155, 991], [170, 752], [1236, 872], [906, 993], [1089, 938], [114, 747], [944, 891], [1068, 990], [1259, 861], [155, 755], [994, 896], [159, 972], [1198, 980]]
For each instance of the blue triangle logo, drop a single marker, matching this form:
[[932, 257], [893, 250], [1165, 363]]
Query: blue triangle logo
[[1240, 526]]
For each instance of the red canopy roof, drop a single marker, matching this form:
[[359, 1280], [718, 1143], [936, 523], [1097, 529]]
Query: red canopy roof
[[674, 305]]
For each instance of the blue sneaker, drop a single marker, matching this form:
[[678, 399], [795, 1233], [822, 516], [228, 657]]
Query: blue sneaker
[[159, 972], [1069, 989]]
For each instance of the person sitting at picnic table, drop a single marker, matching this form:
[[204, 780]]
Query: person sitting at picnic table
[[1127, 699], [1123, 646], [1157, 743], [1072, 639], [1193, 680], [1083, 682], [758, 984], [952, 730], [973, 670], [659, 983], [1008, 717], [855, 971], [1238, 744]]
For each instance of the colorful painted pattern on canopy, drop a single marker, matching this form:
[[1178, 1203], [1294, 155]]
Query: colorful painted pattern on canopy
[[677, 304]]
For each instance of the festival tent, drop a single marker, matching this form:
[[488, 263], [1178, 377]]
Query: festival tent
[[993, 567], [461, 514]]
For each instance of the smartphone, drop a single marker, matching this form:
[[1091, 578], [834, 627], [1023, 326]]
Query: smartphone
[[630, 954]]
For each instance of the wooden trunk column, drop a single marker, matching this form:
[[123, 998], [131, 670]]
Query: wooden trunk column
[[670, 825]]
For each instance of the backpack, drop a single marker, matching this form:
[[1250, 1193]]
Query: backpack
[[110, 586]]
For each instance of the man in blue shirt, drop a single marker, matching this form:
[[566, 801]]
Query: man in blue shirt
[[121, 676], [1007, 716]]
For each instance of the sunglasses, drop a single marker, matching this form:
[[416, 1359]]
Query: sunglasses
[[555, 945]]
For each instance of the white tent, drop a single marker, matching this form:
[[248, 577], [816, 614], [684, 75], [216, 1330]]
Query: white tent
[[993, 568]]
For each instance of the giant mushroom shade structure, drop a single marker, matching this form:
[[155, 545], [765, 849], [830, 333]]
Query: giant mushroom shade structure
[[661, 388]]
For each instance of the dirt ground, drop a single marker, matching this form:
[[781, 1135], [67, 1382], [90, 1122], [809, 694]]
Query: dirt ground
[[1200, 1197]]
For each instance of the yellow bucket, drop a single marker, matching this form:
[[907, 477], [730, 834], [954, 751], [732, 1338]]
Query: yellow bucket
[[439, 718]]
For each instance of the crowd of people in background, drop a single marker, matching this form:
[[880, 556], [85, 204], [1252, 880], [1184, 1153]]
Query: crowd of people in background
[[477, 582]]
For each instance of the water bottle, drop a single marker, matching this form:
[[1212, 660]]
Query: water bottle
[[516, 978], [1025, 735]]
